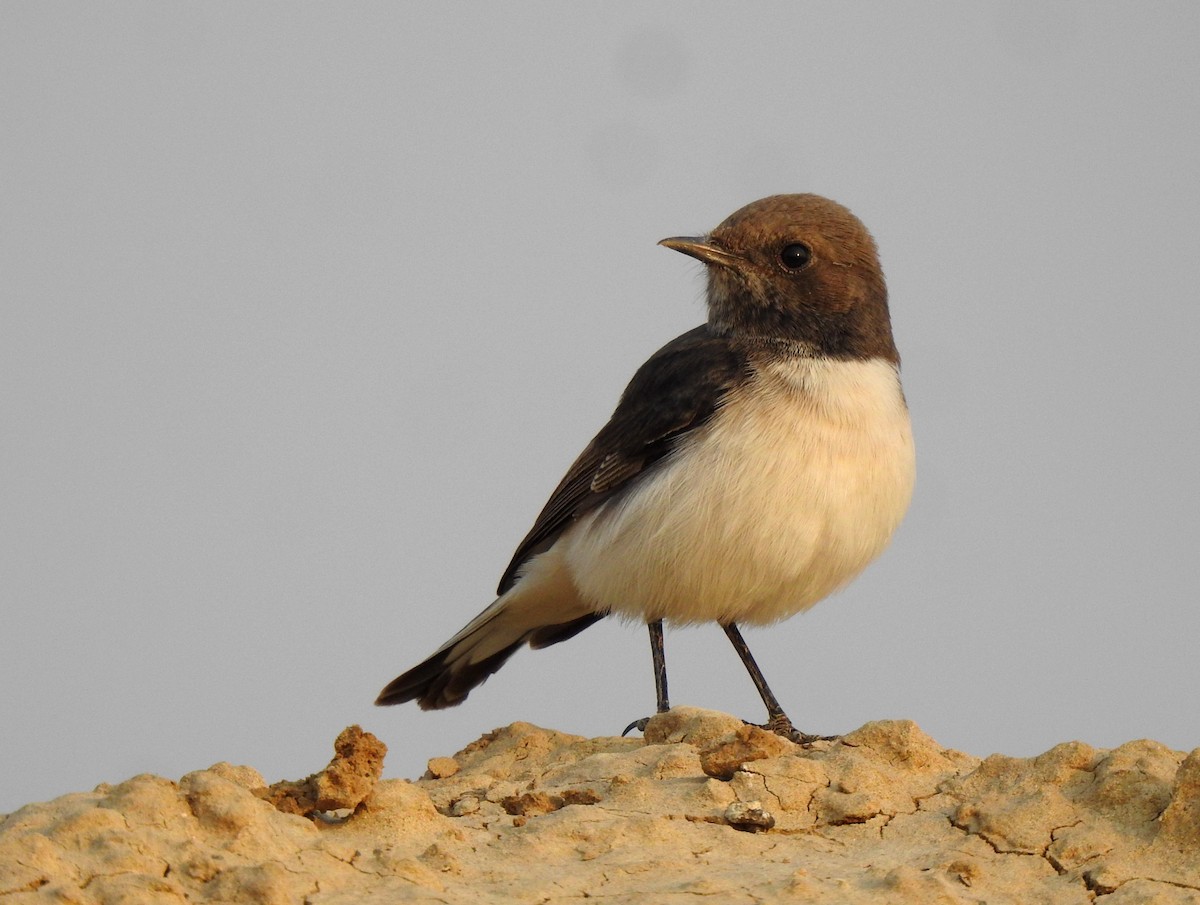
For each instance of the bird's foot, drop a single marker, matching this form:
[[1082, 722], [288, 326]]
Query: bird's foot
[[639, 725], [781, 725]]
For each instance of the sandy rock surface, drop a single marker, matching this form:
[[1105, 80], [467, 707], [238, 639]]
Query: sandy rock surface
[[702, 807]]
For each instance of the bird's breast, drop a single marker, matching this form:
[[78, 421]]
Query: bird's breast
[[789, 491]]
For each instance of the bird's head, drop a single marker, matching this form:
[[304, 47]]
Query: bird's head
[[796, 268]]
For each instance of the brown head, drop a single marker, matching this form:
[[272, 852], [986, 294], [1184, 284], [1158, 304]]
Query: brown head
[[799, 268]]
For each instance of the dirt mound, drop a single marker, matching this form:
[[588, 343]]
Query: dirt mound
[[703, 806]]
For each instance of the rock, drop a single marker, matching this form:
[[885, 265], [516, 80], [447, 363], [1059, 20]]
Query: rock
[[703, 806], [344, 784], [722, 757], [749, 816], [440, 768], [699, 728]]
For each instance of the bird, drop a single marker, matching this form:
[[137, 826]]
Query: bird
[[753, 465]]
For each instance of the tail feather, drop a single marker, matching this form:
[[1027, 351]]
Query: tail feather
[[544, 608], [442, 680], [553, 634]]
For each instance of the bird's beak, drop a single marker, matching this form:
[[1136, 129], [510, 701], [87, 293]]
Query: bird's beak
[[703, 249]]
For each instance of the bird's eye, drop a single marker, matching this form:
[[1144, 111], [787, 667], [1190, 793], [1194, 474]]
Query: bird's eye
[[794, 256]]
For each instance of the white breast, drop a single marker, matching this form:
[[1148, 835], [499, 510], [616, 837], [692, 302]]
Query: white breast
[[787, 494]]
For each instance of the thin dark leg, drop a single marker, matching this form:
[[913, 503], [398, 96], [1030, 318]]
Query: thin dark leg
[[777, 720], [659, 658]]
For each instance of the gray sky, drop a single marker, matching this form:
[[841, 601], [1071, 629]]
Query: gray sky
[[307, 308]]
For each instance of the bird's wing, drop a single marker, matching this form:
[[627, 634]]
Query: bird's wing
[[674, 392]]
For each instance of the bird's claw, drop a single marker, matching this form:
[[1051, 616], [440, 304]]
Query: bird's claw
[[781, 725], [639, 725]]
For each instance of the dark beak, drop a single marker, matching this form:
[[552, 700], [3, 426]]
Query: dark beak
[[703, 249]]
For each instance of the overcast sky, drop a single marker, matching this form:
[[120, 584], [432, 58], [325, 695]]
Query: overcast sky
[[306, 309]]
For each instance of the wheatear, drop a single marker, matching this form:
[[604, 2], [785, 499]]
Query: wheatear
[[753, 466]]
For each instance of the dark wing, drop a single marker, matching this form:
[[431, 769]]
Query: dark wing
[[674, 392]]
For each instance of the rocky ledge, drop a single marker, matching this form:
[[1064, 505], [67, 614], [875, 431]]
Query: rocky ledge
[[703, 806]]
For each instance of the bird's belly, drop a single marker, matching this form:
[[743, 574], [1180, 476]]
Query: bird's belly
[[775, 504]]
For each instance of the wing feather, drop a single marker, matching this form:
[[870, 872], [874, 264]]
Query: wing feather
[[676, 391]]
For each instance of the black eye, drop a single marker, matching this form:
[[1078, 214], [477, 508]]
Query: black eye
[[794, 256]]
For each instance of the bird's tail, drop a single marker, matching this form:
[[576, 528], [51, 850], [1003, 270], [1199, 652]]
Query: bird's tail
[[543, 608]]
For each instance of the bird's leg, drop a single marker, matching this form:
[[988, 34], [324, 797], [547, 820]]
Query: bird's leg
[[777, 720], [659, 657]]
